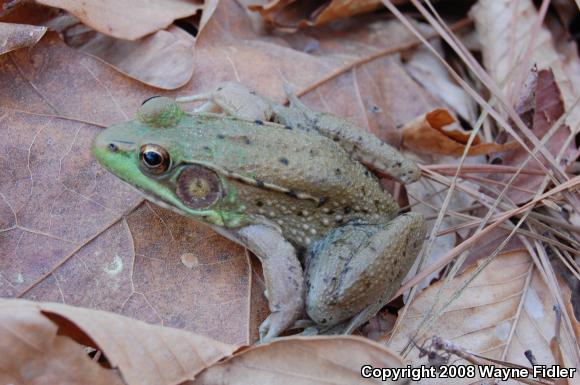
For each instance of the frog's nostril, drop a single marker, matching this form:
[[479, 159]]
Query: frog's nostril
[[112, 147]]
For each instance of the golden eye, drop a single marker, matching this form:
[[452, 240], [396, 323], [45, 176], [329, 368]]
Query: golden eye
[[154, 158]]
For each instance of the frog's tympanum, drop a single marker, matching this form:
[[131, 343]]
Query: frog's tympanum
[[288, 183]]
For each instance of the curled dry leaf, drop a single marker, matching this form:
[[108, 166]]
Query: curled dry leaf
[[33, 353], [163, 59], [506, 30], [303, 361], [506, 310], [38, 347], [540, 105], [130, 19], [14, 36], [427, 134], [303, 14]]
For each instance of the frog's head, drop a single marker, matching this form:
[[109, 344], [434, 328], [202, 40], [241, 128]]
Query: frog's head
[[149, 153]]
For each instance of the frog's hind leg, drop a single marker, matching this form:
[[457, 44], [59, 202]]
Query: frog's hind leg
[[353, 272], [233, 99]]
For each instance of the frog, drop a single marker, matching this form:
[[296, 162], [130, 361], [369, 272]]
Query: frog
[[297, 187]]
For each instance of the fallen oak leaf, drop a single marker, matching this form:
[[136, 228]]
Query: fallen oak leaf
[[304, 361], [540, 106], [162, 59], [142, 353], [33, 353], [500, 313], [129, 20], [427, 134], [292, 14]]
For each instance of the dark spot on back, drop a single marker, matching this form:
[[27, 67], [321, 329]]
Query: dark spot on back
[[112, 147], [248, 141], [258, 122], [220, 136], [287, 127], [322, 201], [252, 92], [337, 171], [259, 203], [259, 183], [336, 138], [284, 161], [206, 148], [398, 164], [347, 210], [219, 88], [367, 173]]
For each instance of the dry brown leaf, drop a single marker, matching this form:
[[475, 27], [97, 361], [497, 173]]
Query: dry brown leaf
[[36, 345], [163, 59], [304, 361], [130, 19], [341, 9], [434, 77], [291, 14], [505, 30], [540, 106], [33, 353], [504, 311], [14, 36], [427, 134]]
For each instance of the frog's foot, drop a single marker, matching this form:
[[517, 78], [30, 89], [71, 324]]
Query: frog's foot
[[282, 274], [353, 272], [233, 99]]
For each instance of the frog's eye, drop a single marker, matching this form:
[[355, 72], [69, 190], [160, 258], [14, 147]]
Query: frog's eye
[[198, 187], [160, 111], [155, 159]]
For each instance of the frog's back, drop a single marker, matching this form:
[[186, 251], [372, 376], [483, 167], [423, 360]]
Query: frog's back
[[299, 179]]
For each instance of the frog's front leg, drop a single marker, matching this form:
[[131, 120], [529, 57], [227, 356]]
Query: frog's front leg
[[233, 99], [283, 276], [354, 270]]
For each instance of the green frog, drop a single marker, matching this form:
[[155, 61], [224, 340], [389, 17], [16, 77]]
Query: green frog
[[291, 184]]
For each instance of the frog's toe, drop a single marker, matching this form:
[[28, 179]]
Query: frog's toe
[[275, 324]]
